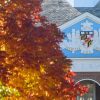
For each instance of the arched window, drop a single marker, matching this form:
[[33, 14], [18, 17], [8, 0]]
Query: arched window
[[94, 88]]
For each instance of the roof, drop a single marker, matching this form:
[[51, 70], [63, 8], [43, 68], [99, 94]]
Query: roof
[[58, 11], [98, 4], [77, 19], [93, 10]]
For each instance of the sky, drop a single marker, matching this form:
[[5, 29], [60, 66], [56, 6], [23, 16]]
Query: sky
[[83, 3]]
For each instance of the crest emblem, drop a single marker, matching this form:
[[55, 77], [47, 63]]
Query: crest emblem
[[83, 40], [86, 38]]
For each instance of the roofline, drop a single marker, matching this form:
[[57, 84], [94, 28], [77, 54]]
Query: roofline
[[77, 19]]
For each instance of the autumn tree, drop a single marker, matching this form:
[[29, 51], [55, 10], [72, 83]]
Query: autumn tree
[[30, 57]]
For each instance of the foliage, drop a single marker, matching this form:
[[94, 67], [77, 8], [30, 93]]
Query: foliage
[[30, 57], [6, 91]]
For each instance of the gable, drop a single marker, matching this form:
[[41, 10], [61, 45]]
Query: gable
[[79, 25], [82, 37], [80, 18]]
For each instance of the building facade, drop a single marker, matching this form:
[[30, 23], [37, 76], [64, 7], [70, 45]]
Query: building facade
[[82, 44], [80, 23]]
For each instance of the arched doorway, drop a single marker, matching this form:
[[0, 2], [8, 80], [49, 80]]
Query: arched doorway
[[94, 90]]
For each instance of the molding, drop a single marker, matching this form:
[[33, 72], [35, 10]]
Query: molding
[[88, 80], [84, 58], [77, 19]]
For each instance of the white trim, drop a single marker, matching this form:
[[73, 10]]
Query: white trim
[[87, 80], [86, 65], [84, 58], [77, 19]]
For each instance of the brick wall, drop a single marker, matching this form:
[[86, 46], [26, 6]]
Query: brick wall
[[88, 75]]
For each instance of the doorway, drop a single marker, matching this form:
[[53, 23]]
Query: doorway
[[93, 93]]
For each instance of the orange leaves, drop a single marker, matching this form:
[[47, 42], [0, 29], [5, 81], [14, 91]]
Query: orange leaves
[[36, 15], [35, 64], [74, 89], [2, 23], [69, 77]]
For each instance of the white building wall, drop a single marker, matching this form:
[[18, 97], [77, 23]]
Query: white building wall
[[86, 65]]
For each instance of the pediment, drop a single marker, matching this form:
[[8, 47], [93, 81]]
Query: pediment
[[78, 19], [81, 37]]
